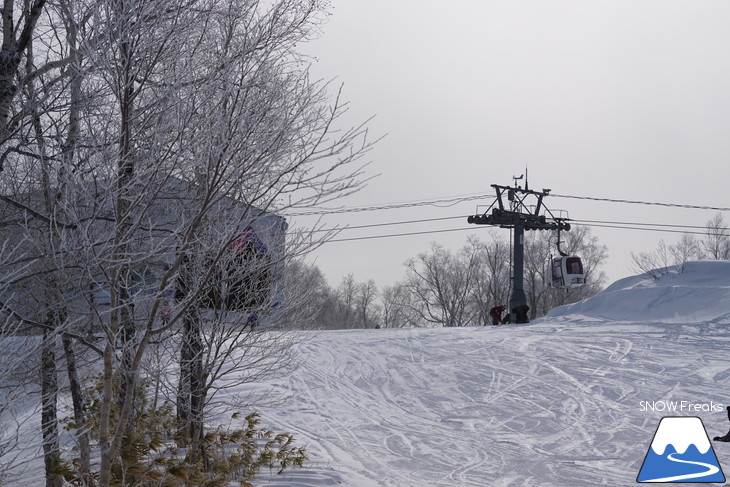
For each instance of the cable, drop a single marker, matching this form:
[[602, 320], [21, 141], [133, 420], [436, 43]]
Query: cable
[[639, 224], [399, 234], [670, 225], [619, 224], [594, 223], [652, 229], [635, 202], [441, 203], [449, 201], [372, 225], [667, 228]]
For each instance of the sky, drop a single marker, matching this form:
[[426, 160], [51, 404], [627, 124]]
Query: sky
[[617, 99]]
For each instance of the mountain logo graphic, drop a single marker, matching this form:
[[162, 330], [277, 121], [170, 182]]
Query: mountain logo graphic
[[681, 452]]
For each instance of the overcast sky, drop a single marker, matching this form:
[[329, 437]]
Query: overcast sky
[[623, 99]]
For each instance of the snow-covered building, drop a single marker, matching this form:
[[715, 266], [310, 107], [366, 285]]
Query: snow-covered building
[[239, 249]]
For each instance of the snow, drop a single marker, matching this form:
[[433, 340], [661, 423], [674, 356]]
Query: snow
[[556, 404], [699, 294], [573, 399], [564, 401]]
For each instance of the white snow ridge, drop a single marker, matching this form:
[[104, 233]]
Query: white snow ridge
[[680, 432], [698, 293]]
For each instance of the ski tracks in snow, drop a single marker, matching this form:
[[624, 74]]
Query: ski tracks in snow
[[541, 404]]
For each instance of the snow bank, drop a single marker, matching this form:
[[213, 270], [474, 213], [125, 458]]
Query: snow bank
[[698, 294]]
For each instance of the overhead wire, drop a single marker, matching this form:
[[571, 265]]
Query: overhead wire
[[671, 225], [651, 227], [448, 201], [637, 202], [663, 230], [399, 234], [426, 232], [643, 226], [387, 224], [439, 202]]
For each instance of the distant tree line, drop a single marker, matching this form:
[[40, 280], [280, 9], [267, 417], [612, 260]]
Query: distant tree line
[[712, 244], [451, 287]]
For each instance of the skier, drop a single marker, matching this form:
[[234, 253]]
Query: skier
[[725, 438], [520, 313], [496, 314]]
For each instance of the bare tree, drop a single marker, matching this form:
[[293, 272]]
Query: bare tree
[[668, 258], [685, 250], [440, 282], [492, 276], [307, 295], [716, 243], [346, 294], [366, 306], [45, 140], [198, 119], [18, 32], [397, 307]]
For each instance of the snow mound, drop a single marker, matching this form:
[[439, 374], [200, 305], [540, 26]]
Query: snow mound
[[698, 293]]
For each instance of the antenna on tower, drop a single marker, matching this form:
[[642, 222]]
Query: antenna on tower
[[527, 188]]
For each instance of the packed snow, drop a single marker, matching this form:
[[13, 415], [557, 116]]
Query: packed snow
[[698, 293], [572, 399]]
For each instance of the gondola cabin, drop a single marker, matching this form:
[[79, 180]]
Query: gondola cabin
[[567, 272]]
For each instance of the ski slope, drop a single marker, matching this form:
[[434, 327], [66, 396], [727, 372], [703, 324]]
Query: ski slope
[[554, 403], [558, 402]]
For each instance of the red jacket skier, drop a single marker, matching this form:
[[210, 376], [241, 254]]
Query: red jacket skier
[[496, 314]]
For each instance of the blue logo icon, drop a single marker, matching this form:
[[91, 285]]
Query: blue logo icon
[[681, 452]]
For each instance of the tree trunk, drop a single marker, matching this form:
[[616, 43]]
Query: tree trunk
[[82, 434], [49, 418], [191, 397], [11, 56], [187, 355]]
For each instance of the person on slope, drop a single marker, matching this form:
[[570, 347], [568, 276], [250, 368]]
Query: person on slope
[[496, 314], [727, 436]]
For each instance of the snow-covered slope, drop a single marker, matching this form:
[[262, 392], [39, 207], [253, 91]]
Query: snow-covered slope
[[547, 404], [699, 294], [570, 400]]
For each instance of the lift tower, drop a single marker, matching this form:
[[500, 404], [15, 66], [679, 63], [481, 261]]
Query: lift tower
[[523, 214]]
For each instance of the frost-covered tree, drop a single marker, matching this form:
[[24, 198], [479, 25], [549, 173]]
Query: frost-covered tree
[[492, 276], [153, 136], [716, 242], [398, 307], [346, 295], [666, 258], [440, 282], [367, 292], [308, 295], [19, 21], [713, 245]]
